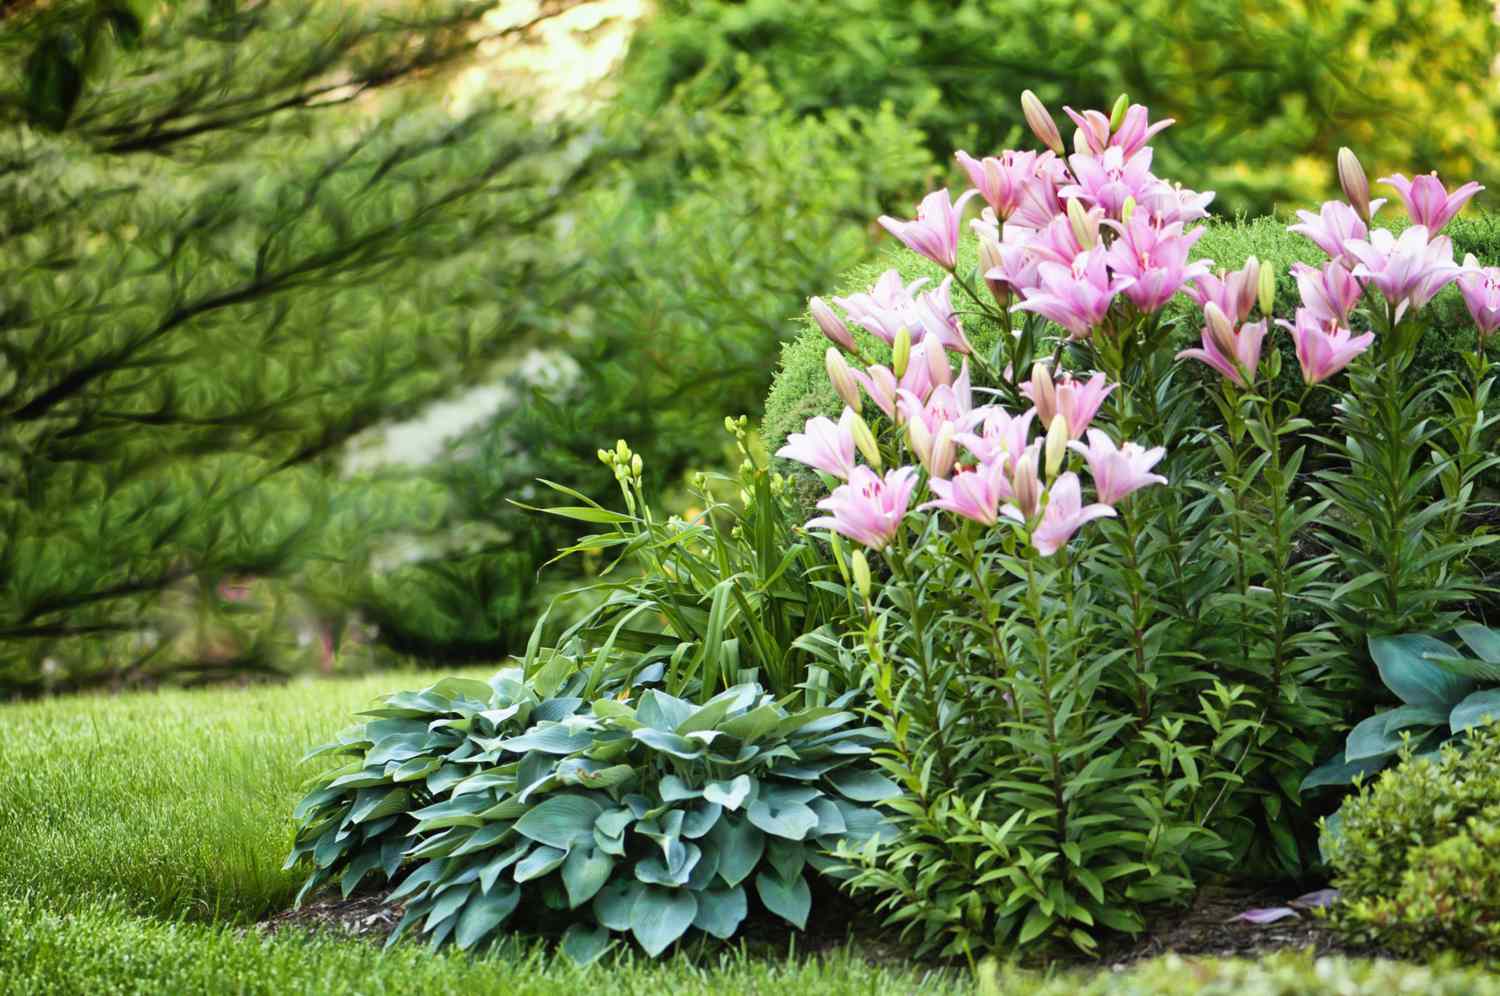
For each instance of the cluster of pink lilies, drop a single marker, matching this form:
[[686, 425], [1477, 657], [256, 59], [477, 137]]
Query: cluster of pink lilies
[[1095, 243]]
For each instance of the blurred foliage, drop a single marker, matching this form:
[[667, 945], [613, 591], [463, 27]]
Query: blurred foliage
[[224, 255], [1269, 88]]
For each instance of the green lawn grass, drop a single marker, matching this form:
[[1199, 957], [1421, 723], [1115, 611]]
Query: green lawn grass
[[140, 834]]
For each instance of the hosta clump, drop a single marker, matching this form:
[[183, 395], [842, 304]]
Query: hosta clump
[[1443, 694], [643, 814]]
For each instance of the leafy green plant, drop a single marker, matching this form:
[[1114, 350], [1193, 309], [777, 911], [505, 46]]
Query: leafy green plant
[[1441, 695], [1413, 853], [582, 801]]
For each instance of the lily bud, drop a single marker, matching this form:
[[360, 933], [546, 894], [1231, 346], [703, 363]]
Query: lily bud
[[920, 438], [901, 352], [842, 378], [938, 367], [989, 259], [832, 325], [860, 568], [1249, 287], [1043, 392], [1220, 328], [1041, 123], [1267, 290], [1086, 234], [606, 457], [1057, 444], [1117, 113], [1127, 209], [1025, 484], [1356, 185], [864, 439], [636, 466], [944, 452]]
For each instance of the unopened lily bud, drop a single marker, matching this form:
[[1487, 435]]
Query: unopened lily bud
[[1041, 123], [920, 438], [842, 378], [832, 325], [1025, 484], [1057, 444], [1078, 218], [1356, 185], [1117, 113], [606, 457], [944, 452], [1127, 209], [1249, 287], [901, 351], [864, 440], [989, 259], [1043, 392], [938, 367], [1220, 328], [636, 465], [1267, 289], [622, 452], [860, 568]]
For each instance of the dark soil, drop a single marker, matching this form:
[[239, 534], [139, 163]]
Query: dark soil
[[1211, 927]]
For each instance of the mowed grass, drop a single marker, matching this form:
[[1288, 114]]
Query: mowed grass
[[174, 803]]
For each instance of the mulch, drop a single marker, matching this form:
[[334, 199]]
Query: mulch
[[1210, 927]]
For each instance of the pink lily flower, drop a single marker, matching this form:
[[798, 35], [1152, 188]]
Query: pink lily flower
[[973, 494], [1119, 471], [1107, 179], [1334, 226], [1234, 291], [1058, 242], [1026, 485], [1077, 297], [888, 307], [1004, 179], [1134, 131], [1172, 202], [936, 317], [1077, 402], [1408, 270], [1064, 515], [824, 446], [946, 403], [1040, 203], [1234, 354], [1427, 201], [868, 509], [937, 453], [1016, 264], [885, 390], [1156, 258], [1480, 286], [1001, 438], [934, 233], [1323, 348], [1330, 293]]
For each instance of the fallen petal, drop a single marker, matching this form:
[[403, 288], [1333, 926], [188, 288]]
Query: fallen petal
[[1268, 915], [1320, 899]]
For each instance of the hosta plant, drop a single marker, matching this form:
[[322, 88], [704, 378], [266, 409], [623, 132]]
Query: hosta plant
[[1443, 694], [604, 810]]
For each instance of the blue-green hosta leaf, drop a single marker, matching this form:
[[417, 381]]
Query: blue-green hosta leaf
[[1477, 709], [731, 794], [465, 811], [740, 846], [830, 817], [1484, 641], [791, 820], [613, 903], [669, 743], [732, 700], [863, 785], [665, 831], [720, 911], [560, 820], [1340, 771], [448, 904], [417, 767], [594, 774], [701, 819], [791, 901], [403, 747], [753, 725], [555, 710], [584, 944], [661, 916], [672, 871], [554, 739], [374, 804], [417, 881], [674, 789], [706, 868], [482, 780], [662, 712], [609, 845], [787, 857], [584, 872], [484, 837], [498, 717], [864, 823], [539, 862], [363, 778], [612, 822], [492, 869], [462, 688], [446, 777], [483, 913], [1370, 739], [1417, 681]]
